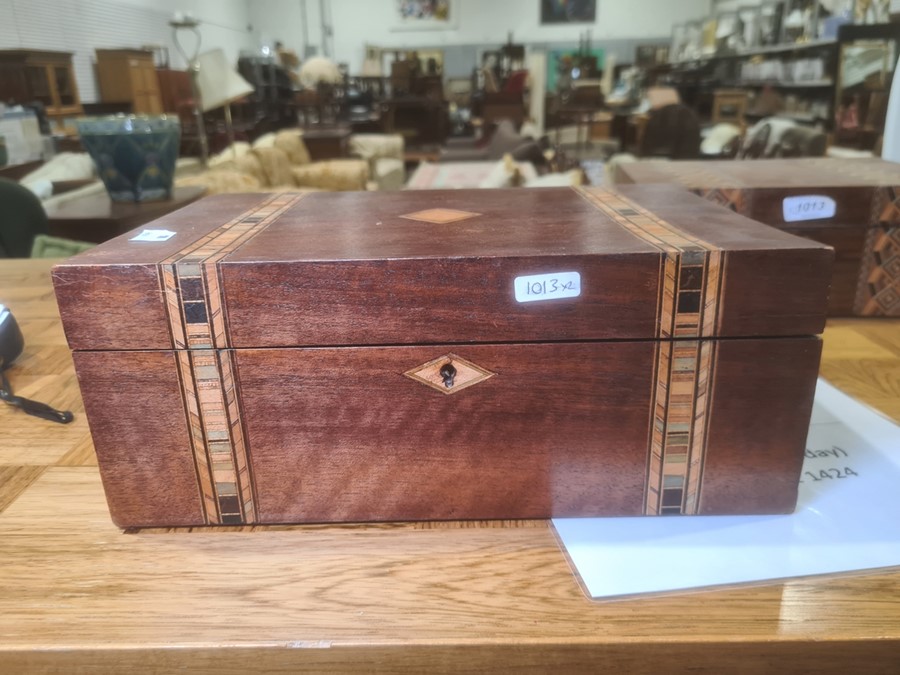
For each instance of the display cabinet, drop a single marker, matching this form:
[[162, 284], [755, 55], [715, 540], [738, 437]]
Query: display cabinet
[[47, 77]]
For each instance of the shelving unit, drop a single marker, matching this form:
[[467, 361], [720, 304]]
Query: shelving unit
[[698, 79], [759, 51], [812, 84]]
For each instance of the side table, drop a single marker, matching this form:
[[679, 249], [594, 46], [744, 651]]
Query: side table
[[327, 142], [95, 218]]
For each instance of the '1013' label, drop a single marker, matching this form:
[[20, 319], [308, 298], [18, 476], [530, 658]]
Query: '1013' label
[[808, 207], [548, 286]]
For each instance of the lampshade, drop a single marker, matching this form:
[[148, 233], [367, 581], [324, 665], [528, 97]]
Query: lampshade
[[319, 69], [217, 81], [794, 19]]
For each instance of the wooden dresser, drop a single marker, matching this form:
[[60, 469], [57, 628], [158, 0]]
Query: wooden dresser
[[129, 75]]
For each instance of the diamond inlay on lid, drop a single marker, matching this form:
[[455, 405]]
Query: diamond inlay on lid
[[464, 374], [440, 216]]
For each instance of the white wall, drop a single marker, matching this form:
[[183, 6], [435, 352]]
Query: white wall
[[80, 26], [282, 20], [489, 21], [356, 22]]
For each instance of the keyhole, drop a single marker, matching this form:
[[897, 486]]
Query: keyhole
[[448, 373]]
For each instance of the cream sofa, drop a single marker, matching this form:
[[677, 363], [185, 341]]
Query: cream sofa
[[276, 161]]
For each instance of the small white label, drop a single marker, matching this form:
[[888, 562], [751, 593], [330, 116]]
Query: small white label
[[153, 235], [808, 207], [548, 286]]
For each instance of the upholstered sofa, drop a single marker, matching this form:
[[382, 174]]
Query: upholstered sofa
[[279, 161]]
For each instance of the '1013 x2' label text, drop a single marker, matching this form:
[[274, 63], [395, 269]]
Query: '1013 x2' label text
[[547, 286]]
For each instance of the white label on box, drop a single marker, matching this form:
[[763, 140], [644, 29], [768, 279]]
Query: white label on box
[[808, 207], [153, 235], [548, 286]]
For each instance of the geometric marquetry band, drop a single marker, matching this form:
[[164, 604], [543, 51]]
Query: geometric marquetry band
[[217, 438], [196, 310], [690, 267], [191, 276], [691, 275]]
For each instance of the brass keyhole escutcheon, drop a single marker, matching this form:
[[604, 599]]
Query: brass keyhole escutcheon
[[447, 373]]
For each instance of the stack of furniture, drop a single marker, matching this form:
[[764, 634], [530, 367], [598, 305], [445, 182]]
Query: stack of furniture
[[420, 120], [271, 106]]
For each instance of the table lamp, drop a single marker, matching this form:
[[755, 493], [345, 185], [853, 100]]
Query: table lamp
[[220, 85]]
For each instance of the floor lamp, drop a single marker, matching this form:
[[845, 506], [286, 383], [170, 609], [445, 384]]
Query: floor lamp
[[219, 85], [187, 23]]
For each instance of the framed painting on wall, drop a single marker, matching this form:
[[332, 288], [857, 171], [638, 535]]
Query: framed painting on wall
[[562, 65], [425, 15], [568, 11]]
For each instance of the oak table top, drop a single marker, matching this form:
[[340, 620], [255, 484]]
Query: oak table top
[[77, 595]]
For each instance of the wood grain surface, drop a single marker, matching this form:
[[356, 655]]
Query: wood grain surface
[[79, 596], [387, 277]]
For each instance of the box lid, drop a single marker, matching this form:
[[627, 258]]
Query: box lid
[[312, 269], [800, 195], [806, 173]]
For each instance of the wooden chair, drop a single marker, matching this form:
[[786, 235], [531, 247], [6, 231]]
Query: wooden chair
[[729, 105], [21, 220], [672, 131]]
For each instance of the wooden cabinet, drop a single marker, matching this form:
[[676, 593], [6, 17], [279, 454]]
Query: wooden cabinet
[[28, 75], [129, 75], [176, 93]]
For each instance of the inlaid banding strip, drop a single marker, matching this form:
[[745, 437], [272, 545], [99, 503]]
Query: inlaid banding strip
[[191, 277], [878, 287], [196, 310], [737, 199], [691, 276]]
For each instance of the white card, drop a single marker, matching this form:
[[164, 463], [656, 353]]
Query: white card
[[153, 235], [847, 518], [808, 207], [548, 286]]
